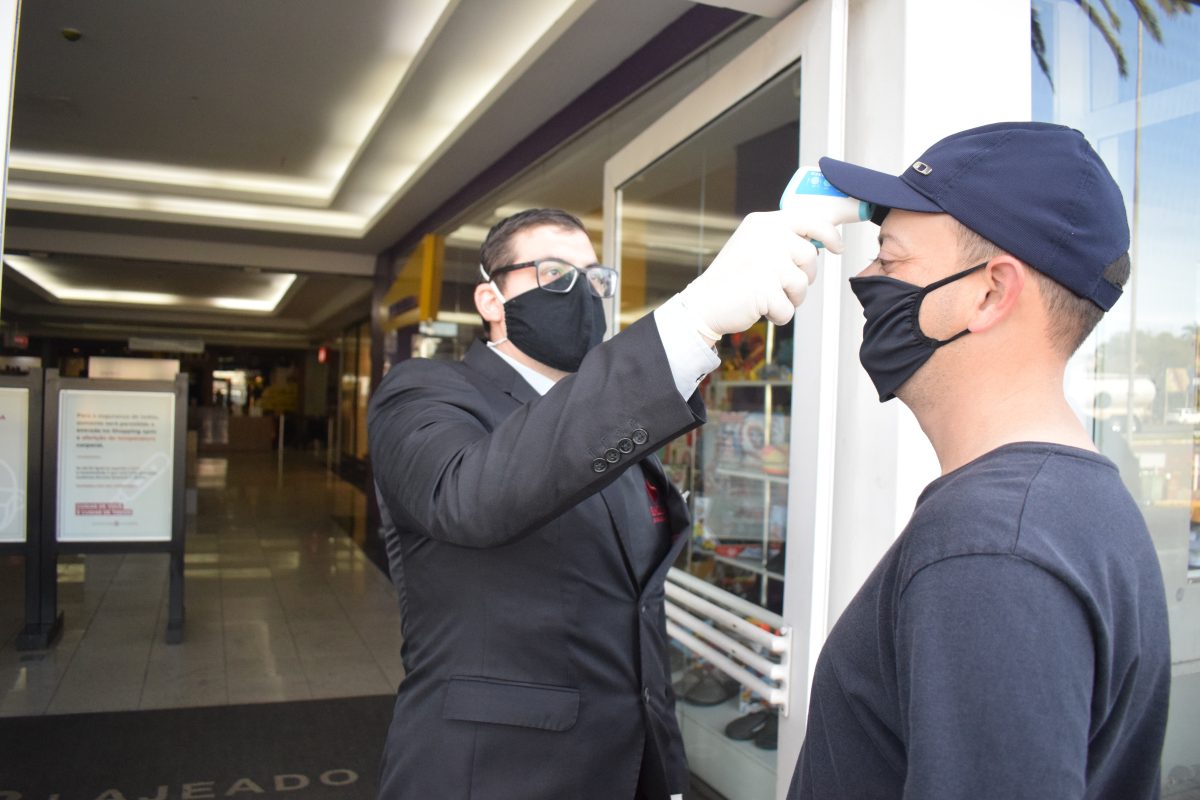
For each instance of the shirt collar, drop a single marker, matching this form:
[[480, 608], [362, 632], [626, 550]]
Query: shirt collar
[[540, 383]]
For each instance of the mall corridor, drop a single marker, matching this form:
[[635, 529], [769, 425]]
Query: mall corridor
[[281, 604]]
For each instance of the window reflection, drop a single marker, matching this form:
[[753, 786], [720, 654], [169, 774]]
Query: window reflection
[[674, 218], [1135, 381]]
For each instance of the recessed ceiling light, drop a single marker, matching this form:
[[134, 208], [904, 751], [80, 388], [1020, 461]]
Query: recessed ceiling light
[[265, 302], [324, 201]]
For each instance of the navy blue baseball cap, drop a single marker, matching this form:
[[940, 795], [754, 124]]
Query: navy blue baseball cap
[[1038, 191]]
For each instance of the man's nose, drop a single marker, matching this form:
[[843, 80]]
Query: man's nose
[[870, 269]]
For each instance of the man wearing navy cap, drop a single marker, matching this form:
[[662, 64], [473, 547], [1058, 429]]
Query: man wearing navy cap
[[1013, 641]]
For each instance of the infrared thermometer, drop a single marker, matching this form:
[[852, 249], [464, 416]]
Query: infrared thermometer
[[811, 192]]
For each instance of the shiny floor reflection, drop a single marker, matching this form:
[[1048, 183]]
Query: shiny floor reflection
[[281, 604]]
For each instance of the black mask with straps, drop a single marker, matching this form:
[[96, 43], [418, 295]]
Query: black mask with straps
[[894, 347], [556, 329]]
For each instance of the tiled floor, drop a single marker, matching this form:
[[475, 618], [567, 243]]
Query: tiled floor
[[281, 604]]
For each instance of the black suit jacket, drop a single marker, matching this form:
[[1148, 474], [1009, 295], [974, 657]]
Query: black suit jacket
[[536, 663]]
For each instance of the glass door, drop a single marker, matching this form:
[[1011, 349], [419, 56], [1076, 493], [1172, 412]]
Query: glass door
[[748, 585]]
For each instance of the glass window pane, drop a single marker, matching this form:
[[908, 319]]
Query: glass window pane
[[1134, 381], [674, 217]]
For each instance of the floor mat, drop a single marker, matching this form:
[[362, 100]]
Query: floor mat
[[310, 750]]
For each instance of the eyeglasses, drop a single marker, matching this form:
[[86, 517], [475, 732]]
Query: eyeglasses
[[556, 275]]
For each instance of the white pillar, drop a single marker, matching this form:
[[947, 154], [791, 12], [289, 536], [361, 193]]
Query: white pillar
[[917, 70]]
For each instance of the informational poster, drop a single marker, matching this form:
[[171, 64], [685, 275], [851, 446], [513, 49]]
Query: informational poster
[[14, 462], [116, 457]]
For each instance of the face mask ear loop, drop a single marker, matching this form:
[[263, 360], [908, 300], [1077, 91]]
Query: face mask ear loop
[[925, 292], [492, 283], [499, 294]]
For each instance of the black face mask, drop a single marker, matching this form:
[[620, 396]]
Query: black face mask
[[894, 347], [556, 329]]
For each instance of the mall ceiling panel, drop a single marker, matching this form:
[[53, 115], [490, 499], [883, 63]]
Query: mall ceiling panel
[[346, 121], [130, 297], [276, 88]]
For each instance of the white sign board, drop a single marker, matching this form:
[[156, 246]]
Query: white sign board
[[14, 464], [116, 457], [134, 369]]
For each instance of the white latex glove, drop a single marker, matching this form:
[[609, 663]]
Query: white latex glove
[[763, 270]]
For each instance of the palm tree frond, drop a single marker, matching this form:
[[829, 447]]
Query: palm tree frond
[[1113, 18], [1038, 43], [1109, 37], [1149, 18]]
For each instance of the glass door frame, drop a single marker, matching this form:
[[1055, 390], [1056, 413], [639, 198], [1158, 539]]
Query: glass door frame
[[815, 34]]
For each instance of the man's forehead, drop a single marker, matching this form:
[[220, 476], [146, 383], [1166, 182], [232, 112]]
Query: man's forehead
[[553, 241], [911, 229]]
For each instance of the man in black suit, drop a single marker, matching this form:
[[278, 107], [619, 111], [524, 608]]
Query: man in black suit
[[534, 527]]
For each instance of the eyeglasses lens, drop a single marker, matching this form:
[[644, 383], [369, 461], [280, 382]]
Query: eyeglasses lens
[[556, 276], [559, 276], [603, 280]]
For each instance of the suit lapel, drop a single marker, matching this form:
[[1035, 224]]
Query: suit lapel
[[481, 359], [621, 515]]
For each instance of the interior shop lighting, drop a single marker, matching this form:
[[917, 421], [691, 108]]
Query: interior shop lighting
[[467, 236], [459, 317]]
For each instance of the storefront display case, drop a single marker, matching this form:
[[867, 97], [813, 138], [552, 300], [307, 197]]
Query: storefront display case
[[764, 474], [741, 490], [733, 470]]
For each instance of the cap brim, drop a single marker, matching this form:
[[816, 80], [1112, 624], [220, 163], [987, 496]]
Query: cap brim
[[885, 191]]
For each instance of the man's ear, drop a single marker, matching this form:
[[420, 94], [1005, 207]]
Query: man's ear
[[1004, 282], [488, 303]]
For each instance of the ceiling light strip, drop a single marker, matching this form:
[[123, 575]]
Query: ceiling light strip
[[33, 270]]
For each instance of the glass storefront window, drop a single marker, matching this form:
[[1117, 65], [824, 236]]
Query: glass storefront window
[[1135, 381], [354, 390], [674, 216]]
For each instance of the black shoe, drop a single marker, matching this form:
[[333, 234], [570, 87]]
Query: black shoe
[[746, 728], [712, 689], [768, 737]]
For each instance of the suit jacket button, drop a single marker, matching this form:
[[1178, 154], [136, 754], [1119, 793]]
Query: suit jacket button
[[625, 446], [599, 465], [611, 456], [640, 436], [646, 695]]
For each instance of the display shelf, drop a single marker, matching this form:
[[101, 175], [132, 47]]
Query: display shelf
[[742, 563], [750, 475], [734, 768], [743, 502], [737, 382]]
